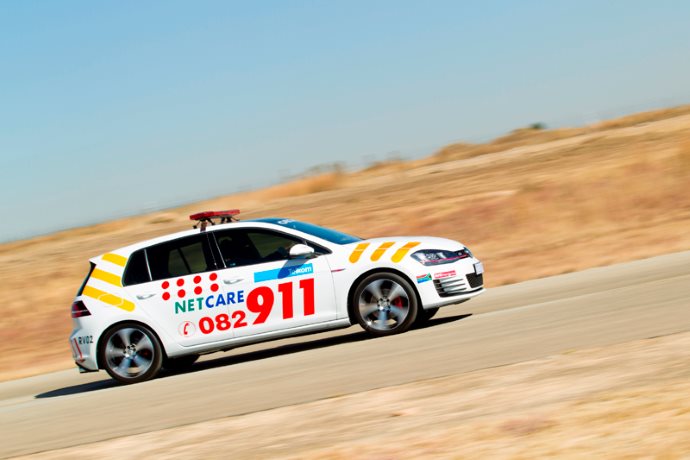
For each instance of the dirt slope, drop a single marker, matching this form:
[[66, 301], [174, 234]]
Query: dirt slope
[[530, 204]]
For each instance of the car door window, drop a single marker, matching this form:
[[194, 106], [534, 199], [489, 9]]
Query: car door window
[[240, 247], [137, 271], [180, 257]]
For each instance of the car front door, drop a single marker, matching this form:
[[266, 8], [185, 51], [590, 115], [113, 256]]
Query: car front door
[[266, 290]]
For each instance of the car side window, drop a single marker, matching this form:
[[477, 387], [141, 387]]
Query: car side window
[[137, 271], [240, 247], [183, 256]]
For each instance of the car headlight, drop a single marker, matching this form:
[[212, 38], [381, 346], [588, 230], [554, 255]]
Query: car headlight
[[430, 257]]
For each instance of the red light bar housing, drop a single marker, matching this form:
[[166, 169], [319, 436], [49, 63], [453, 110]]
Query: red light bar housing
[[207, 217]]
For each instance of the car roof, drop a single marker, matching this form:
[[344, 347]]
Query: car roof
[[270, 222]]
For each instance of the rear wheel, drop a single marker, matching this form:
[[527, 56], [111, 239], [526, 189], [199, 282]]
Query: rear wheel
[[384, 304], [131, 353]]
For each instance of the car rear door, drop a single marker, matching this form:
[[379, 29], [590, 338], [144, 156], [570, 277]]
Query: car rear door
[[266, 291], [181, 290]]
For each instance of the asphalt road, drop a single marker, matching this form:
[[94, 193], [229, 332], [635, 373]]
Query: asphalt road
[[506, 325]]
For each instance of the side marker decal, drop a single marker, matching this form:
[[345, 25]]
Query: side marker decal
[[107, 277], [357, 253], [110, 299], [400, 253], [115, 259], [381, 250]]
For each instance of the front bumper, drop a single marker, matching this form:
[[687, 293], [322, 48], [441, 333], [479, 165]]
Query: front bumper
[[451, 283]]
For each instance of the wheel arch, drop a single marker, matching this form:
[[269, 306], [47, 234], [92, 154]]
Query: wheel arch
[[355, 283], [119, 323]]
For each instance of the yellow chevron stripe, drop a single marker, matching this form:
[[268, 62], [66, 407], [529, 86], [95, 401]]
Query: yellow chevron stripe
[[110, 299], [115, 259], [380, 250], [107, 277], [400, 253], [357, 253]]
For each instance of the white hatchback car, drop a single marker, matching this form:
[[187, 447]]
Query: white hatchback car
[[165, 301]]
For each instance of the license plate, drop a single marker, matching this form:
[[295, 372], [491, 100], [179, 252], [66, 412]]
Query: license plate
[[478, 268]]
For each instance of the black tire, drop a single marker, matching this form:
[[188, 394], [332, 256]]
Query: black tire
[[384, 304], [179, 364], [130, 353], [423, 316]]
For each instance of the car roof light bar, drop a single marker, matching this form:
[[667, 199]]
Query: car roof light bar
[[207, 217]]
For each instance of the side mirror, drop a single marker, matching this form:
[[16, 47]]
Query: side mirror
[[301, 251]]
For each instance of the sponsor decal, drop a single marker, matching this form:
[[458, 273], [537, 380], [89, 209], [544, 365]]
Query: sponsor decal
[[209, 302], [441, 275], [181, 291], [186, 329], [285, 272], [260, 303], [423, 278], [192, 296]]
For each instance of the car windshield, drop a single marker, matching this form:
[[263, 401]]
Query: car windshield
[[324, 233]]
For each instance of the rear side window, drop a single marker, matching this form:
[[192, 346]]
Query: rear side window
[[137, 271], [180, 257]]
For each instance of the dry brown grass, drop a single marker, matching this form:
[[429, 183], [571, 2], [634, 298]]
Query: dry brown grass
[[548, 204]]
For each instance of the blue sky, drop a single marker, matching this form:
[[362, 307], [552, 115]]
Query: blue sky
[[114, 108]]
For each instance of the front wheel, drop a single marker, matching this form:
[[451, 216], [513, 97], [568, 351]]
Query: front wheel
[[131, 353], [384, 304]]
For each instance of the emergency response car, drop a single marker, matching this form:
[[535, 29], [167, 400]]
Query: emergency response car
[[165, 301]]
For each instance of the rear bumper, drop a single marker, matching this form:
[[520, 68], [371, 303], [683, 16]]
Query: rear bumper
[[83, 351]]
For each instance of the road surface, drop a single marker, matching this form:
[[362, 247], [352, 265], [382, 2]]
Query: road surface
[[506, 325]]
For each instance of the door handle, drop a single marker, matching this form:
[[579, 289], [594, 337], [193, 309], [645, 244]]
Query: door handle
[[145, 296], [233, 280]]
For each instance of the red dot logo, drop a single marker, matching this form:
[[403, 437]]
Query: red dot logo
[[181, 293], [197, 290], [197, 279], [165, 285], [213, 276], [166, 296], [214, 287], [180, 282]]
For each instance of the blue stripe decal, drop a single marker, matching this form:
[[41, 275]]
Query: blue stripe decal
[[285, 272]]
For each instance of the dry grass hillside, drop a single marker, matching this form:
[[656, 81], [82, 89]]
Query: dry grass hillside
[[532, 203]]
